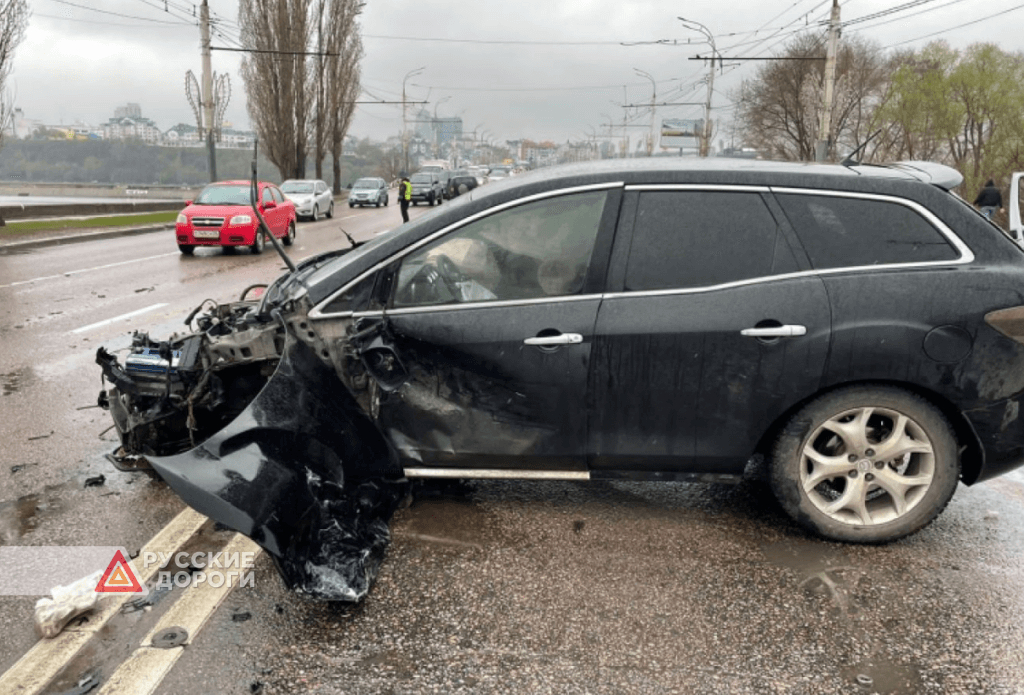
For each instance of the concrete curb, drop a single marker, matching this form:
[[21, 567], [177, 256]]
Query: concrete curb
[[83, 236]]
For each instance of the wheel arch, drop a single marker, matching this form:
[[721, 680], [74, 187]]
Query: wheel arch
[[972, 454]]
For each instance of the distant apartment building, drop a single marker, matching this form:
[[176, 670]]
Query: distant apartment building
[[128, 123], [186, 135]]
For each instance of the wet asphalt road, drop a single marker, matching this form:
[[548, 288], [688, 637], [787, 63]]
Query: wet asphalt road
[[495, 587]]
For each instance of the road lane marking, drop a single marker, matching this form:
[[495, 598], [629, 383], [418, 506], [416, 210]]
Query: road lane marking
[[88, 270], [44, 661], [129, 315], [143, 671]]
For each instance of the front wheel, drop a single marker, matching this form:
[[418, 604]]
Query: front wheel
[[316, 213], [187, 249], [385, 201], [259, 243], [330, 210], [866, 464], [289, 238]]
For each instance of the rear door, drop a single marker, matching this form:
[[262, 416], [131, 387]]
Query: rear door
[[710, 330], [494, 323]]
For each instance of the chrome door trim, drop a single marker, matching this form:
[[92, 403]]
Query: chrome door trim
[[697, 187], [317, 312], [784, 331], [560, 339]]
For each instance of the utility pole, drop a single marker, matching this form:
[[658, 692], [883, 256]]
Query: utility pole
[[825, 130], [207, 99], [654, 92], [405, 118], [705, 142]]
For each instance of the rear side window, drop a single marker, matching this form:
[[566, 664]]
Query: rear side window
[[685, 239], [847, 232]]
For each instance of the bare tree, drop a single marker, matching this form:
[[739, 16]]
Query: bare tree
[[780, 108], [277, 32], [14, 16], [342, 76]]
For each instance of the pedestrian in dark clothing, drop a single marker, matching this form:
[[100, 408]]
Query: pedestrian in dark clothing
[[404, 196], [989, 200]]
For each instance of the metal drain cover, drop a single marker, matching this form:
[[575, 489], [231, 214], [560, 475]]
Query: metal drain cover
[[171, 637]]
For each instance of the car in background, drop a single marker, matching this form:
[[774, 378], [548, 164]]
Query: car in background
[[311, 197], [221, 215], [461, 181], [499, 173], [368, 191], [426, 188]]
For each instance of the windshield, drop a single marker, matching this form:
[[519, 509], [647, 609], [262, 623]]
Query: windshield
[[421, 178], [225, 194], [365, 183], [296, 187]]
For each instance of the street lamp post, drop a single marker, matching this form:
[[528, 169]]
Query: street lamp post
[[437, 128], [405, 118], [650, 141], [705, 145]]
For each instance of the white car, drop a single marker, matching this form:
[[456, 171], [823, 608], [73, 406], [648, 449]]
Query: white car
[[368, 191], [312, 197]]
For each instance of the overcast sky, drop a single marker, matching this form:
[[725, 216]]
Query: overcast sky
[[560, 74]]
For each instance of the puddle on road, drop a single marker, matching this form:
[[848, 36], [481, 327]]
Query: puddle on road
[[882, 676], [21, 516], [444, 522]]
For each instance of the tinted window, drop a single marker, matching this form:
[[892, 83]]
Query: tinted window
[[355, 298], [844, 232], [699, 238], [422, 178], [539, 249]]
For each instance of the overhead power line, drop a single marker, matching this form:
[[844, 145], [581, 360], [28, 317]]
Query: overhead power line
[[116, 14], [961, 25]]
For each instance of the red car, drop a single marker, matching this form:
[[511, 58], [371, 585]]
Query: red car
[[222, 216]]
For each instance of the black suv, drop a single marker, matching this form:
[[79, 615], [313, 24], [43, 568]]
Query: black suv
[[461, 181], [426, 188], [860, 328]]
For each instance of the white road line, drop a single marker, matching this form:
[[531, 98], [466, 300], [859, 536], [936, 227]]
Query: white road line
[[43, 662], [129, 315], [88, 270]]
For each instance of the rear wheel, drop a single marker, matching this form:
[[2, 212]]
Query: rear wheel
[[187, 249], [289, 238], [259, 243], [868, 464]]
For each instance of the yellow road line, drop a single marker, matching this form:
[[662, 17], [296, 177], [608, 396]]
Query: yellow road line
[[48, 657], [143, 671]]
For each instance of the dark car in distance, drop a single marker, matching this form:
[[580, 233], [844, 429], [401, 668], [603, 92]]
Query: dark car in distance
[[426, 188], [860, 327], [461, 181]]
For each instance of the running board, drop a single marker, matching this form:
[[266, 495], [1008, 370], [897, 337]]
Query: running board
[[511, 474], [495, 474]]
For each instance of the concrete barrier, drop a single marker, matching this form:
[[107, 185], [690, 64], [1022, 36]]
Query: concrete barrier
[[27, 212]]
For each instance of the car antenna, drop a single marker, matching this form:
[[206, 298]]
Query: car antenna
[[349, 237], [253, 196], [849, 160]]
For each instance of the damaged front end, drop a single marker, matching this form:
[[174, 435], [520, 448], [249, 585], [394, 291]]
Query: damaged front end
[[247, 421]]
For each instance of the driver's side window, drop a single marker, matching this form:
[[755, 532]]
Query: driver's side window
[[539, 249]]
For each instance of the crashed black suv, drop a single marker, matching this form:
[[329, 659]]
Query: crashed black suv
[[860, 327]]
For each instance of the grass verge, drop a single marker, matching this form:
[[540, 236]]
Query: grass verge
[[15, 227]]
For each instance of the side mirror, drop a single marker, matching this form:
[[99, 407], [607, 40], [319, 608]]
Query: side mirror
[[269, 205], [187, 203]]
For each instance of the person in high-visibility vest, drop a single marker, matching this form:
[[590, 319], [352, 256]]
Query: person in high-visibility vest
[[404, 196]]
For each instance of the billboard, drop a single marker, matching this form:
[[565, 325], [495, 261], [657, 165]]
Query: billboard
[[681, 132]]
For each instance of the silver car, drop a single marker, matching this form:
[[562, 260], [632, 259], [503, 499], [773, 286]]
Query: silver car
[[312, 197], [368, 191]]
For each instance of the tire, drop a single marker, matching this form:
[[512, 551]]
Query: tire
[[289, 237], [893, 437], [187, 249], [316, 213], [330, 210], [258, 244], [385, 200], [415, 203], [378, 202], [351, 205]]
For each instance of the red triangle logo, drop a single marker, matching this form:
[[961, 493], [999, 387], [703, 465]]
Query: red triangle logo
[[120, 577]]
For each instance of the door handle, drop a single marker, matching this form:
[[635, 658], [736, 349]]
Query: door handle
[[787, 331], [561, 339]]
